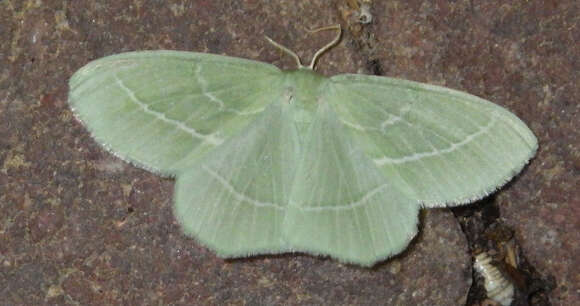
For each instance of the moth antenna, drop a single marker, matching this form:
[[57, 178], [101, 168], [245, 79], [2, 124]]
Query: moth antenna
[[318, 53], [327, 46], [286, 50]]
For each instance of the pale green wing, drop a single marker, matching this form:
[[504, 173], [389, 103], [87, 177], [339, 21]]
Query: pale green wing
[[441, 146], [162, 110], [341, 204], [234, 199]]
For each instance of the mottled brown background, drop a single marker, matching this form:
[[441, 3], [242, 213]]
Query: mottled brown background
[[78, 226]]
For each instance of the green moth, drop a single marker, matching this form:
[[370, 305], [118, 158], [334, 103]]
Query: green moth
[[270, 161]]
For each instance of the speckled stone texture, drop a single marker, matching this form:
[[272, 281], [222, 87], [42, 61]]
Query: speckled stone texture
[[78, 226]]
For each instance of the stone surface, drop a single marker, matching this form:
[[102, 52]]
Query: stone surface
[[78, 226]]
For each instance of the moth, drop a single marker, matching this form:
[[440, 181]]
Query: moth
[[270, 161]]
